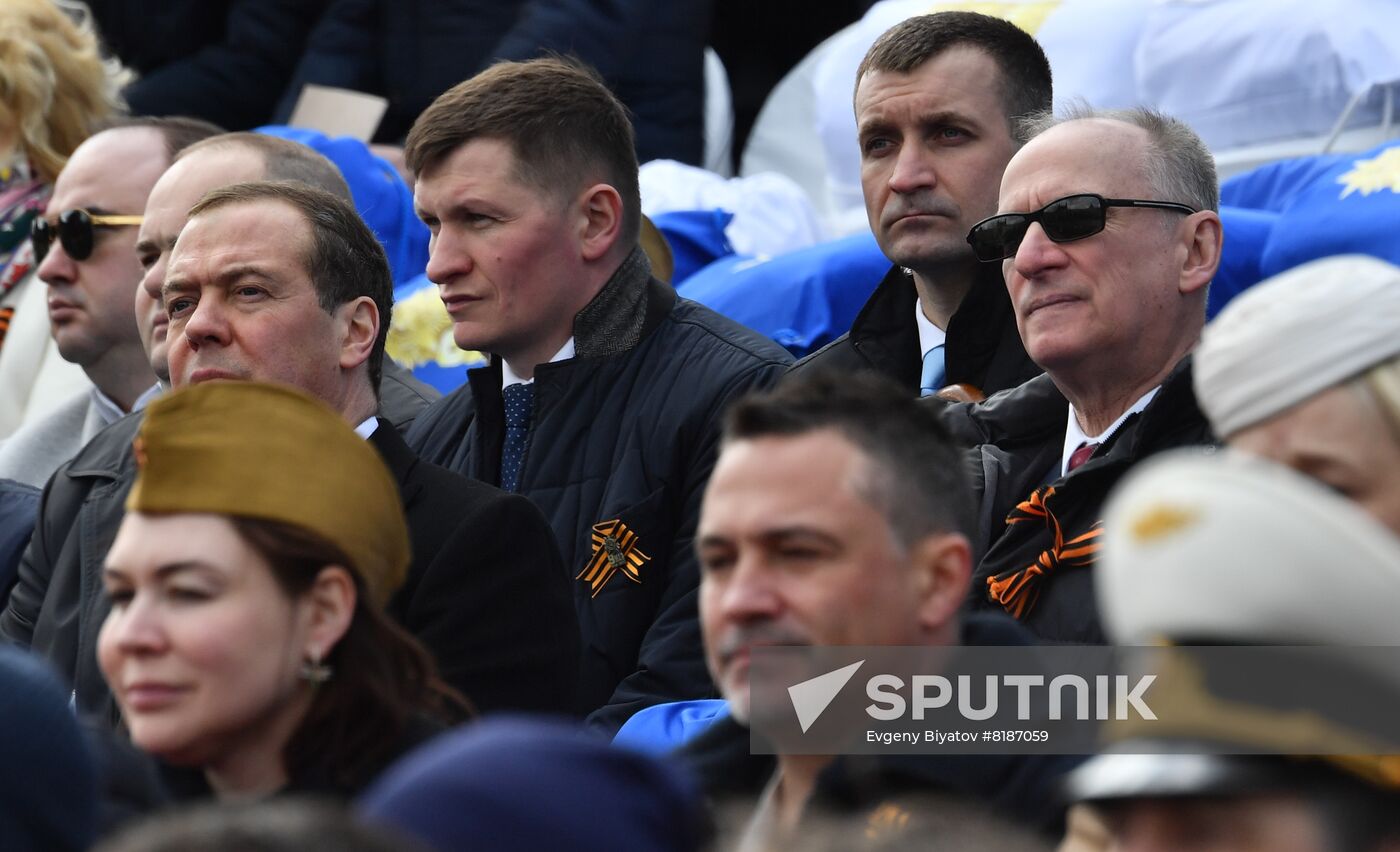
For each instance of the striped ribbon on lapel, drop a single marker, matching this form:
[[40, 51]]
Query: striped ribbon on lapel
[[1018, 590]]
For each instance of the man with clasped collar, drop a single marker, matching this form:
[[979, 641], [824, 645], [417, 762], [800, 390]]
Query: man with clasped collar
[[602, 399]]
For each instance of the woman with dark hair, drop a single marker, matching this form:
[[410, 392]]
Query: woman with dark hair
[[246, 644]]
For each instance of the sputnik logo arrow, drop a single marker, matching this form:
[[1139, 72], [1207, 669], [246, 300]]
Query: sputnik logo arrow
[[810, 698]]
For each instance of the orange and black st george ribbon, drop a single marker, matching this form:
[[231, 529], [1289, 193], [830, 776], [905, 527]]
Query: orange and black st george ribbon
[[614, 551], [1017, 591]]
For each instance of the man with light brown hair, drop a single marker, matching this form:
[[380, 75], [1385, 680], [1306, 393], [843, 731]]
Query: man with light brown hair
[[222, 160], [602, 398]]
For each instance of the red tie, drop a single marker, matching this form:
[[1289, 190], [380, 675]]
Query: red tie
[[1081, 455]]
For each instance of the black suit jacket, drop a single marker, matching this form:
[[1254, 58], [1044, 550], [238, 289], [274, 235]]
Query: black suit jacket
[[983, 347], [486, 592]]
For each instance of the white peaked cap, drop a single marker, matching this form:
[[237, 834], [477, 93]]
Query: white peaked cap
[[1296, 334], [1220, 547]]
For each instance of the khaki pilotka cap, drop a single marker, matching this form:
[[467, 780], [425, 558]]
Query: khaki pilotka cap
[[273, 453]]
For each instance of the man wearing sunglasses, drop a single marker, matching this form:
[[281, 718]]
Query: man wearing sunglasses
[[84, 250], [1108, 237], [935, 102]]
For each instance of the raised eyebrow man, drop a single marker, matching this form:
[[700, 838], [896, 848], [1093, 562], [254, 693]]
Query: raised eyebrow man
[[243, 156], [483, 565], [1108, 237], [84, 250], [937, 100], [602, 398]]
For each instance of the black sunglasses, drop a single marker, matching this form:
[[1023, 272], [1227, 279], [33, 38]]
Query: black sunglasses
[[74, 229], [1073, 217]]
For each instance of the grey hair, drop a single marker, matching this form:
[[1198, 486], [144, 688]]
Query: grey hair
[[1178, 165]]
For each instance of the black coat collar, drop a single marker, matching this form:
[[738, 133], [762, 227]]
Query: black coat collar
[[886, 334], [397, 457]]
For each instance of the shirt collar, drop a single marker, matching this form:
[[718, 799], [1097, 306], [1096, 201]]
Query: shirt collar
[[1074, 436], [145, 398], [930, 335], [508, 376], [107, 409], [365, 429]]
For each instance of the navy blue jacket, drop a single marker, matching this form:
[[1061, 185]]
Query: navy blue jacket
[[626, 431], [226, 61], [410, 51]]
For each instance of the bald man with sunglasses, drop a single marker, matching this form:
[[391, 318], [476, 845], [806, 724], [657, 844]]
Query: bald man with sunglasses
[[84, 249], [1107, 234]]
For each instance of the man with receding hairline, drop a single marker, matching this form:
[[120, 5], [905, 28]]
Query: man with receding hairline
[[601, 399], [219, 161], [85, 260], [1108, 237]]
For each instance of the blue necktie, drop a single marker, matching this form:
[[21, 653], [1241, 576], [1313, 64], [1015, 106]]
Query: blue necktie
[[520, 400], [931, 379]]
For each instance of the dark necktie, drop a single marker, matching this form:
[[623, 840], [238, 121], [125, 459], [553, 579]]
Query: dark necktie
[[1081, 455], [520, 399]]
